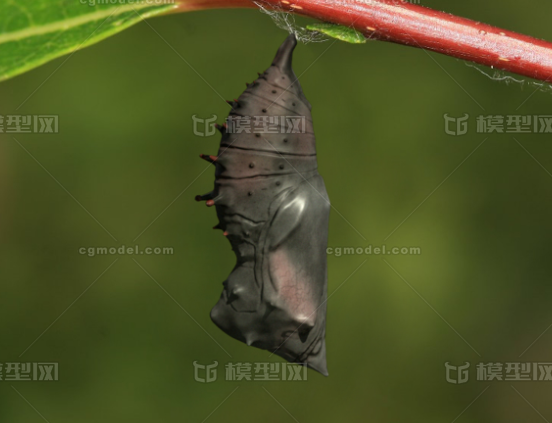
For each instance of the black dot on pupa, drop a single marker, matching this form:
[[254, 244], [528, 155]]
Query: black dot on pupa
[[281, 166], [250, 193], [258, 135], [273, 91], [293, 104], [278, 183], [251, 165], [264, 110], [285, 140]]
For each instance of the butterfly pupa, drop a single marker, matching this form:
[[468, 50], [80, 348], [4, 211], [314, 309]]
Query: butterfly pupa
[[272, 206]]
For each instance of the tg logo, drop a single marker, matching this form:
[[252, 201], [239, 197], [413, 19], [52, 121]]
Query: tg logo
[[460, 126], [207, 130], [210, 372], [457, 374]]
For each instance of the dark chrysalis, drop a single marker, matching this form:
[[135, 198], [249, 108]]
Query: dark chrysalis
[[273, 207]]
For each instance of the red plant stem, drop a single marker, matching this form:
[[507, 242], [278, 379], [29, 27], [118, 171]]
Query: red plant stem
[[413, 25]]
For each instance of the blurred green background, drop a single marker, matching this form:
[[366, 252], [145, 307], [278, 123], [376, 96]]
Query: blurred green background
[[480, 291]]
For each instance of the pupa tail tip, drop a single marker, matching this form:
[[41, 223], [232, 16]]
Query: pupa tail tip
[[284, 55]]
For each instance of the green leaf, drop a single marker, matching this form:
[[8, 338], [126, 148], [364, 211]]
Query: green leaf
[[342, 33], [33, 32]]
